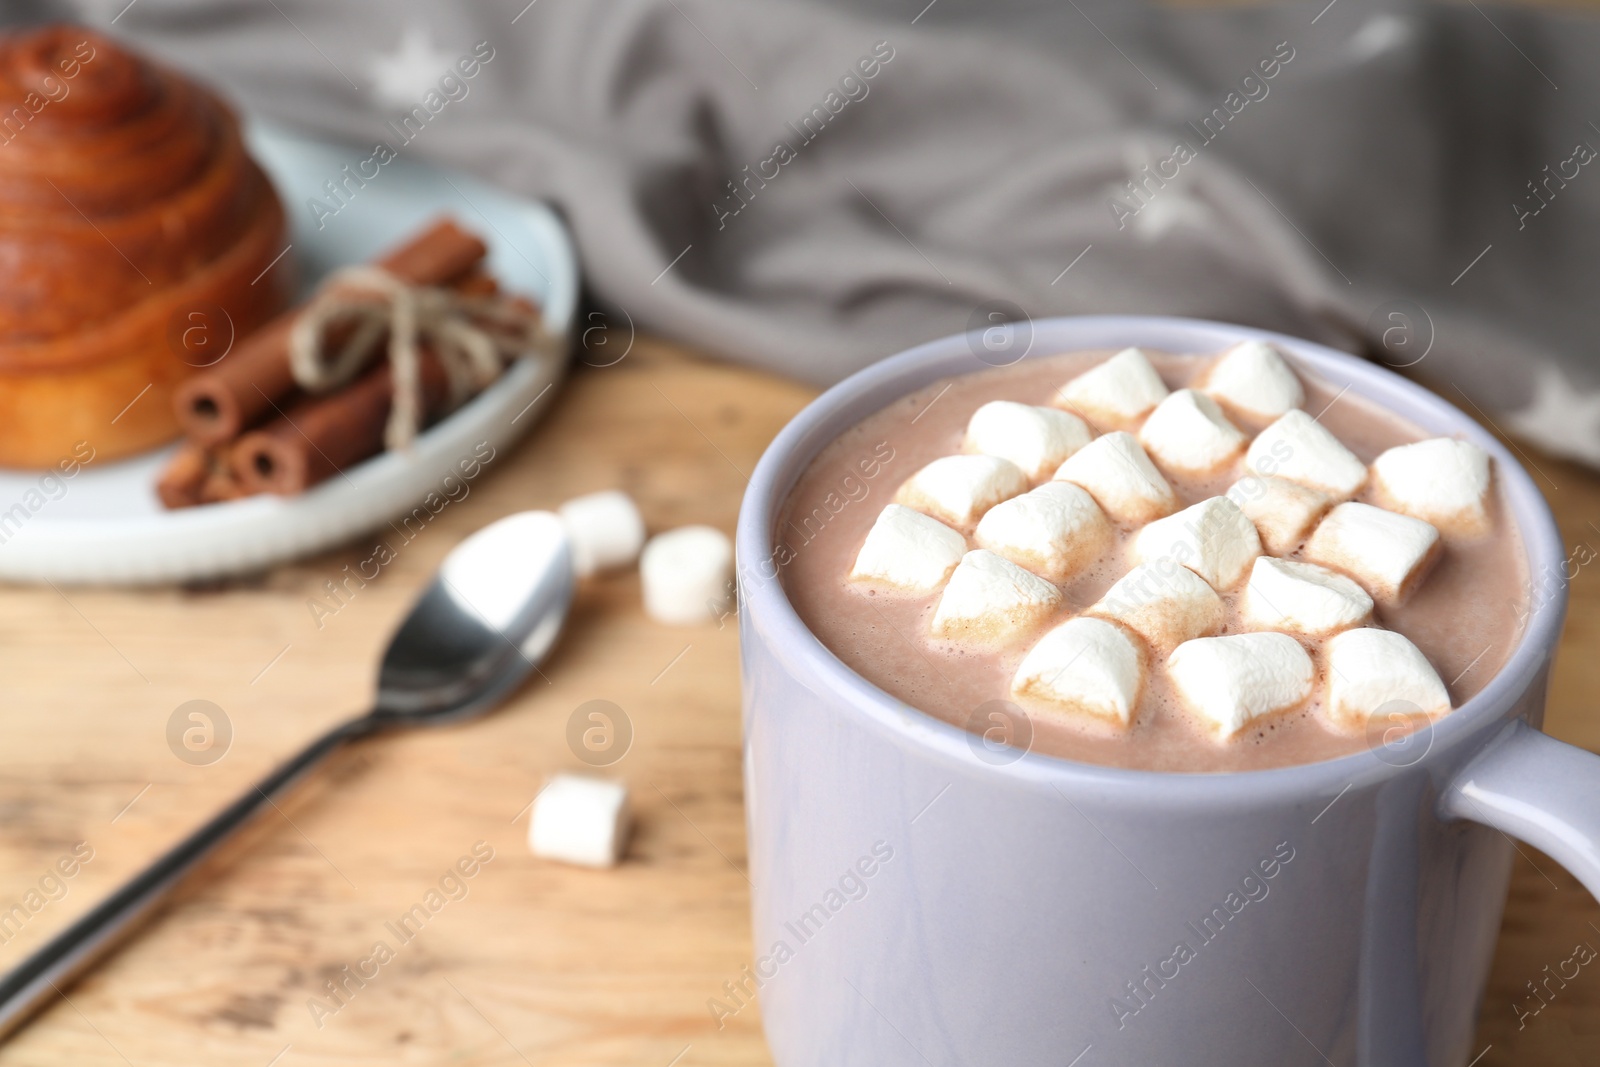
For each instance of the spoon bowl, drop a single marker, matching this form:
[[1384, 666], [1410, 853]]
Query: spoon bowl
[[485, 621]]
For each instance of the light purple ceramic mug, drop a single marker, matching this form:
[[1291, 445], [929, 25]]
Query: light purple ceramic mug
[[920, 902]]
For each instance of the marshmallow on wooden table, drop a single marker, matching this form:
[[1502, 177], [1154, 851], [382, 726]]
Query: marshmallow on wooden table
[[1253, 380], [1388, 553], [687, 575], [1284, 512], [959, 489], [1084, 667], [908, 552], [991, 601], [1164, 603], [604, 529], [1232, 680], [1442, 481], [1302, 598], [1212, 538], [1301, 449], [580, 820], [1036, 439], [1189, 434], [1115, 394], [1054, 531], [1379, 672], [1121, 478]]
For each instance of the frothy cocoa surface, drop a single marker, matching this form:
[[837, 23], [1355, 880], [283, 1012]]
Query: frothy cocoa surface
[[1466, 617]]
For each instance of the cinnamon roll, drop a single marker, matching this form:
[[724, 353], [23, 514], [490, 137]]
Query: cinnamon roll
[[138, 242]]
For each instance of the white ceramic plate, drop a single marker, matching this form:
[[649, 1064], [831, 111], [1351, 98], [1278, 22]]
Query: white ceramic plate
[[105, 525]]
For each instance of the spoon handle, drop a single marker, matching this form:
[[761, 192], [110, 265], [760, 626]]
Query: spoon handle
[[42, 976]]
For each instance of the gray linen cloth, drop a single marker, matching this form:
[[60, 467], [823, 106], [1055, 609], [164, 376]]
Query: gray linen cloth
[[808, 187]]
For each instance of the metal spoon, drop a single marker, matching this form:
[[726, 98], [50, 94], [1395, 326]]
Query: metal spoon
[[490, 615]]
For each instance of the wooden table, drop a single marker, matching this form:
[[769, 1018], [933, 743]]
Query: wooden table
[[537, 963]]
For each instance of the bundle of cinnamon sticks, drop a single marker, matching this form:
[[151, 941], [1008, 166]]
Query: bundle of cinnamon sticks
[[251, 428]]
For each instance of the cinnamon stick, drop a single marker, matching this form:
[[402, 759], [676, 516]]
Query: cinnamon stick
[[222, 401], [476, 282], [197, 475], [322, 435], [180, 484], [220, 485]]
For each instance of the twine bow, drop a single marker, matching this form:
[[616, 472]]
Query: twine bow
[[474, 338]]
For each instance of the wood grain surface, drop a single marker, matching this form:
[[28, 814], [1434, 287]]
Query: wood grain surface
[[535, 963]]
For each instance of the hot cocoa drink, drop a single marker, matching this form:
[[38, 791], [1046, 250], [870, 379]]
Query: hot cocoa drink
[[1184, 563]]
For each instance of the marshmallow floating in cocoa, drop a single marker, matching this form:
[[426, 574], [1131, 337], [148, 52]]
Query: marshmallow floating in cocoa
[[1380, 673], [1442, 481], [1036, 439], [908, 551], [1212, 538], [1231, 681], [1054, 531], [1388, 553], [1253, 380], [1085, 667], [1164, 603], [991, 601], [1121, 478], [1301, 449], [959, 489], [1187, 433], [1284, 512], [1115, 394], [1302, 598]]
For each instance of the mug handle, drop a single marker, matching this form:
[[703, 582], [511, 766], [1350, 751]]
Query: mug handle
[[1539, 790]]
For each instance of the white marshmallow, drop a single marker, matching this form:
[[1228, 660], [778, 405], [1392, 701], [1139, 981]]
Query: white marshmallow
[[580, 820], [1283, 511], [1388, 553], [1163, 603], [1036, 439], [1054, 531], [991, 601], [604, 529], [959, 489], [1379, 672], [687, 575], [1252, 379], [908, 551], [1212, 538], [1189, 434], [1083, 667], [1301, 449], [1121, 479], [1442, 481], [1230, 681], [1302, 598], [1116, 393]]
